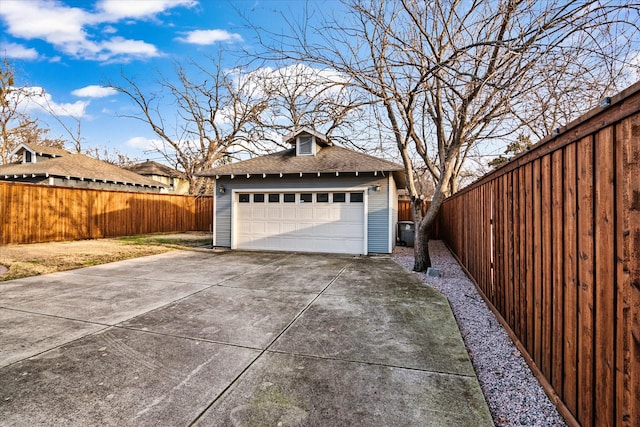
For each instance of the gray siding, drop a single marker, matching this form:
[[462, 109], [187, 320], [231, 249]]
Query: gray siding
[[393, 197], [378, 225], [378, 211]]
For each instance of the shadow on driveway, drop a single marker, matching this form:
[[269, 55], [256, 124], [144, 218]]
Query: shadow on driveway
[[234, 338]]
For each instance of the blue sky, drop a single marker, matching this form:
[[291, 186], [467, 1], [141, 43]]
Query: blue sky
[[71, 49]]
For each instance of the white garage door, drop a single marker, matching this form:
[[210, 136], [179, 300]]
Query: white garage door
[[332, 222]]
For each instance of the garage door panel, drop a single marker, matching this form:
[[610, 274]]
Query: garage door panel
[[274, 212], [288, 213], [259, 212], [273, 228], [323, 214], [308, 227], [288, 227], [305, 212], [258, 227]]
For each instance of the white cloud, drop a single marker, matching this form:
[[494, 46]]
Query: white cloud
[[207, 37], [69, 29], [44, 19], [18, 51], [119, 45], [118, 9], [296, 78], [37, 100], [143, 143], [94, 91], [109, 29]]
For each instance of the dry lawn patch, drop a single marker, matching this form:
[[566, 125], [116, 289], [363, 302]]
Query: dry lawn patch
[[43, 258]]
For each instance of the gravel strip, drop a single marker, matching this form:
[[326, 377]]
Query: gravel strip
[[513, 394]]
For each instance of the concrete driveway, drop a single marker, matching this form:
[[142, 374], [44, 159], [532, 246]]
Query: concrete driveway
[[234, 339]]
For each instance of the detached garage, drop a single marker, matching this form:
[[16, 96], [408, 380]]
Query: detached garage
[[314, 197]]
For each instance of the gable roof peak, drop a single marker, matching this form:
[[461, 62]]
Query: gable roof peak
[[42, 150], [320, 137]]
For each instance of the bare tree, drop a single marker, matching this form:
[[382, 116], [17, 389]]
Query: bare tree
[[298, 95], [30, 132], [206, 121], [568, 87], [450, 74], [112, 156], [73, 131], [13, 121]]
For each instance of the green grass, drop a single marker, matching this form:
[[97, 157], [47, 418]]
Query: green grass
[[151, 239]]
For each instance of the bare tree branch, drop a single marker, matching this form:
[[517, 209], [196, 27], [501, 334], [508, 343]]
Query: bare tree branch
[[451, 75]]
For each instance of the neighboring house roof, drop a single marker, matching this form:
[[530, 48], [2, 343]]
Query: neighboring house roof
[[42, 150], [77, 166], [153, 168], [329, 159]]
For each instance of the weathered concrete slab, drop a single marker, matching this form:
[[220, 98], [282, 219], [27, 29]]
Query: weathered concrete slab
[[23, 335], [37, 288], [119, 377], [288, 390], [376, 276], [245, 317], [112, 302], [291, 278], [386, 330], [362, 342], [186, 266]]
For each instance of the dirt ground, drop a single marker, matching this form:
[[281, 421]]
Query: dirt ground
[[18, 261]]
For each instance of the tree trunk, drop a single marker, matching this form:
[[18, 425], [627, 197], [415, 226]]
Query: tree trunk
[[421, 257]]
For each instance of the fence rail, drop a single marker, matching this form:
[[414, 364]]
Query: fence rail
[[31, 213], [552, 240]]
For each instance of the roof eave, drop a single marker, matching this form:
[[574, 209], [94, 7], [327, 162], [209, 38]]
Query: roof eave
[[216, 174]]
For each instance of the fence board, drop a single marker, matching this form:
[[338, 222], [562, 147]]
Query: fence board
[[557, 288], [560, 246], [585, 279], [528, 170], [547, 257], [570, 281], [524, 257], [627, 214], [537, 264], [33, 213], [506, 295], [513, 244], [604, 271], [486, 250]]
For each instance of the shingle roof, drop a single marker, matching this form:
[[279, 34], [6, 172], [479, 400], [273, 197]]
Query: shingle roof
[[153, 168], [330, 159], [78, 166], [43, 149]]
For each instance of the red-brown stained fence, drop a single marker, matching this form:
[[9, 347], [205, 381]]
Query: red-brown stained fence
[[31, 213], [406, 214], [404, 210], [552, 240]]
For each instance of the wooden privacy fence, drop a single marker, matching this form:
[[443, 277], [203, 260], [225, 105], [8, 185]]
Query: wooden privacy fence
[[404, 210], [405, 214], [31, 213], [552, 240]]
